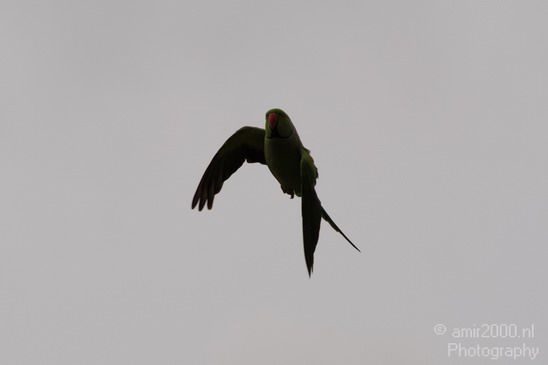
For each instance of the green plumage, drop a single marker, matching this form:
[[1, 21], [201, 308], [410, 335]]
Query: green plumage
[[280, 148]]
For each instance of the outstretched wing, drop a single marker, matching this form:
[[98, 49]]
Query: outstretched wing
[[311, 209], [246, 144]]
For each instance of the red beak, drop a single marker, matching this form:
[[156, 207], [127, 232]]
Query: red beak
[[272, 119]]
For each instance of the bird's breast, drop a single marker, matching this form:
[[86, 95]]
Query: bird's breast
[[283, 158]]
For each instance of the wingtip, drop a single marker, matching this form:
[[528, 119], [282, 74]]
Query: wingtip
[[201, 204]]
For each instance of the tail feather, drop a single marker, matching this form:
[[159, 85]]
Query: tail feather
[[328, 219]]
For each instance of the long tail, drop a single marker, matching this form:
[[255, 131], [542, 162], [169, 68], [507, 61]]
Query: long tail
[[328, 219]]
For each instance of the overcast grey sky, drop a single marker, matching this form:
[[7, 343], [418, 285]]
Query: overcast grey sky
[[427, 121]]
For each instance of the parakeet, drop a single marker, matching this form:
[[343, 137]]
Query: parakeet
[[279, 147]]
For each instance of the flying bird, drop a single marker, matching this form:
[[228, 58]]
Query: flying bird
[[279, 147]]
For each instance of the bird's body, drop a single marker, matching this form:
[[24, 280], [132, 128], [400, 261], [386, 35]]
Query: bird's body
[[283, 158], [280, 148]]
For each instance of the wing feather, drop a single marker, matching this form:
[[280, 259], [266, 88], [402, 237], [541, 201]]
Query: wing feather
[[246, 144]]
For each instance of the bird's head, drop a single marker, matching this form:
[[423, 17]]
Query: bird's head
[[278, 124]]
